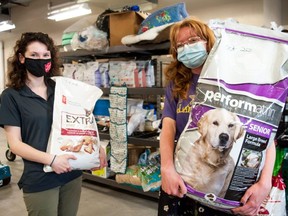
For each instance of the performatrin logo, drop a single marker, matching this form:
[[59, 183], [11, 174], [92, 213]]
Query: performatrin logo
[[228, 101]]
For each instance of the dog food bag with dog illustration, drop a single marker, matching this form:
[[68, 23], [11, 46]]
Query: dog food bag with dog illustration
[[237, 108], [74, 130]]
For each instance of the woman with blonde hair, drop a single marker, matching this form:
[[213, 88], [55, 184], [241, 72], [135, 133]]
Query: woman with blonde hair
[[190, 43]]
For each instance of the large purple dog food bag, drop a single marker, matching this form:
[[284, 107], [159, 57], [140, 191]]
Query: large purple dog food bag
[[238, 104]]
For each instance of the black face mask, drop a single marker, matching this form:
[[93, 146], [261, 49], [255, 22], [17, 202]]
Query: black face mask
[[38, 67]]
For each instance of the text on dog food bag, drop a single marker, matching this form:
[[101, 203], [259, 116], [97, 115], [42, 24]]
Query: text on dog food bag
[[74, 129]]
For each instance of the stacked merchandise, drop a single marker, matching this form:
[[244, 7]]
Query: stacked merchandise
[[93, 73], [145, 175], [104, 73], [84, 34]]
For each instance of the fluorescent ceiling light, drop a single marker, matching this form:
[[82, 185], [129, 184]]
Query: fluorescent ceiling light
[[69, 12], [6, 25]]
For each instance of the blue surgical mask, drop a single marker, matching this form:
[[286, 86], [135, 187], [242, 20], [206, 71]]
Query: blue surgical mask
[[192, 55]]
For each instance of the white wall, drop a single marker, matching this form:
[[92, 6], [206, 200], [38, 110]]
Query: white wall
[[246, 12], [33, 18]]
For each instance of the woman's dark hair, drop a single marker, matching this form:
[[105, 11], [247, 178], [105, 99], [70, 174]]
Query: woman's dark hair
[[17, 73]]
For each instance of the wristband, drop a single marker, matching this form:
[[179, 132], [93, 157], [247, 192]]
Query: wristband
[[52, 160]]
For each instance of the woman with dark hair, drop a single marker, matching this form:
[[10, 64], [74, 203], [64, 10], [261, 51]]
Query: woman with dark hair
[[17, 76], [26, 114], [190, 43]]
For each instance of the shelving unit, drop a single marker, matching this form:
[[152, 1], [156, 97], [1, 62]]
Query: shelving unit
[[144, 51], [140, 140], [142, 91], [111, 182]]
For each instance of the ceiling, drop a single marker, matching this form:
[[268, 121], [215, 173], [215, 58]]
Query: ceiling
[[7, 6], [26, 15], [12, 3], [114, 4], [31, 15]]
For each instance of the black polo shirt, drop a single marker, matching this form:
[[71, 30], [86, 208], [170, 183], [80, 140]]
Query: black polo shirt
[[34, 115]]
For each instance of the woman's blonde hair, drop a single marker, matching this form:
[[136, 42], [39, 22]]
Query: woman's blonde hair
[[176, 71]]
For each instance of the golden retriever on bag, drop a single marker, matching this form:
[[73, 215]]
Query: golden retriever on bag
[[208, 167]]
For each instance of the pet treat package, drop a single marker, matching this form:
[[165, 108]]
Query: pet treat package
[[238, 104], [74, 129]]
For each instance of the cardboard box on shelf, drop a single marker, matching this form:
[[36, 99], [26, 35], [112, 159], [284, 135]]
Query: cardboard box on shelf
[[122, 24]]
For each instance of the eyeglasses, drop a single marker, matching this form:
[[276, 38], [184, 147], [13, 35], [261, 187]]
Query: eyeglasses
[[180, 46]]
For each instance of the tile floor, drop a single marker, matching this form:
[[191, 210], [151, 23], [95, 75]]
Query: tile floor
[[95, 199]]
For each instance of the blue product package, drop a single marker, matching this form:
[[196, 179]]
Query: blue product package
[[102, 107], [5, 174]]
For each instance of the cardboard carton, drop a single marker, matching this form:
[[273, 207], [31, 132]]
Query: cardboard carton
[[122, 24]]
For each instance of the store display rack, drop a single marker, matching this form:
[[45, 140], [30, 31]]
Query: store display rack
[[120, 51], [149, 139], [142, 91], [89, 178], [139, 139]]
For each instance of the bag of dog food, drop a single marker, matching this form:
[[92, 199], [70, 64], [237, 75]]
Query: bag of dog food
[[74, 129], [238, 104]]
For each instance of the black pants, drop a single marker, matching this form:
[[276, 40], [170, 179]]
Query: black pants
[[175, 206]]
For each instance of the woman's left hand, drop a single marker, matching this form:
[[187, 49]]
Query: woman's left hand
[[103, 160], [252, 199]]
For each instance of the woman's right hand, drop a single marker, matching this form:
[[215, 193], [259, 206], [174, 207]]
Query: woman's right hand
[[172, 183], [61, 163]]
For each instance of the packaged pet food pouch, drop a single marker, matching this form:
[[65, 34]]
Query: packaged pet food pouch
[[74, 129], [238, 104]]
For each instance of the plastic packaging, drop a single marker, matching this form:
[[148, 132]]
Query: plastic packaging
[[239, 99]]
